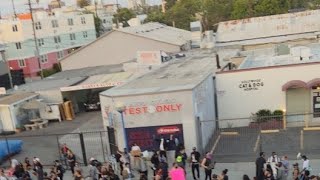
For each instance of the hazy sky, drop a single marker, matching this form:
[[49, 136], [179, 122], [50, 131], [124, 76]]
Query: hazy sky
[[6, 5]]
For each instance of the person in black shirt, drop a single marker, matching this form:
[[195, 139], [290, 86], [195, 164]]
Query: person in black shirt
[[195, 162], [259, 166], [155, 161], [71, 160], [59, 169]]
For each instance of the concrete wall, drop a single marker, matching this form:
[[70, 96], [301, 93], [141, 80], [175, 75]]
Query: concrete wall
[[204, 108], [113, 48], [236, 102], [51, 96], [5, 117], [3, 68], [268, 26], [185, 116]]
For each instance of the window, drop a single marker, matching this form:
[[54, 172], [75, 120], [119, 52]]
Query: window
[[38, 25], [85, 34], [57, 39], [22, 63], [18, 45], [43, 59], [83, 20], [60, 55], [72, 36], [70, 22], [15, 28], [40, 42], [54, 23]]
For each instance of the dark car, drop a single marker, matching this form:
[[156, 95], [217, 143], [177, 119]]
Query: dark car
[[93, 103]]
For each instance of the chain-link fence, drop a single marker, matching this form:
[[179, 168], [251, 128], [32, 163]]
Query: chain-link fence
[[48, 147], [241, 139]]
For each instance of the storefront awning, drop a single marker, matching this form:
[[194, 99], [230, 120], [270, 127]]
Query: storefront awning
[[294, 84], [100, 81], [313, 82]]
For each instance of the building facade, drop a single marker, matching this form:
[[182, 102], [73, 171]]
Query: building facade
[[58, 34]]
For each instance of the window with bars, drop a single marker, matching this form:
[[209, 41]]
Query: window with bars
[[72, 36], [18, 45], [60, 55], [54, 23], [40, 42], [15, 28], [43, 59], [70, 22], [22, 63], [57, 39], [38, 25], [85, 34], [83, 20]]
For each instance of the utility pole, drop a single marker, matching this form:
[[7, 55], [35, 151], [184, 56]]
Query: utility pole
[[96, 7], [35, 38], [14, 9], [117, 15]]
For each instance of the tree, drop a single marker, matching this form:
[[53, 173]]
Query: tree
[[156, 16], [242, 9], [170, 4], [183, 12], [271, 7], [98, 26], [123, 16], [83, 3]]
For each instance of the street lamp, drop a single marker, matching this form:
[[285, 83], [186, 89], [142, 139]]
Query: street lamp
[[120, 107]]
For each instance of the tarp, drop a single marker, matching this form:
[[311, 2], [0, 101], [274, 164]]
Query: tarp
[[12, 147]]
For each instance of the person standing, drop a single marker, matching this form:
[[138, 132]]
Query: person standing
[[305, 165], [273, 160], [78, 175], [93, 171], [207, 165], [59, 169], [177, 173], [71, 160], [281, 174], [38, 168], [224, 175], [195, 163], [181, 158], [259, 166], [155, 161], [286, 165]]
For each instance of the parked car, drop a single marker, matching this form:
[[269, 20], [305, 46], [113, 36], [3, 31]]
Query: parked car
[[93, 103]]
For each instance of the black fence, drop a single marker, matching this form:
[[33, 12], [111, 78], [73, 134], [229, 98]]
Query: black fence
[[48, 147]]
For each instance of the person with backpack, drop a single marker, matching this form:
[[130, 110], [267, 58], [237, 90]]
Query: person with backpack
[[59, 169]]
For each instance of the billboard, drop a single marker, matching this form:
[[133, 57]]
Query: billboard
[[148, 138]]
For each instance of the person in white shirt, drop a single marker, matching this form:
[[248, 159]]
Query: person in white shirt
[[305, 165], [14, 163], [136, 154], [273, 160]]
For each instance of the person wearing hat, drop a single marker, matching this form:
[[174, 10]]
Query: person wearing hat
[[195, 163], [93, 170]]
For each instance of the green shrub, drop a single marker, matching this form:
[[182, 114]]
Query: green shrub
[[263, 115], [278, 115]]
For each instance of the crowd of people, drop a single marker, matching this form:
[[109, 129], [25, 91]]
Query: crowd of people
[[133, 164], [275, 168]]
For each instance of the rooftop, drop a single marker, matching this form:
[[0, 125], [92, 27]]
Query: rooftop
[[179, 74], [88, 71], [13, 98], [50, 84], [288, 55], [160, 32]]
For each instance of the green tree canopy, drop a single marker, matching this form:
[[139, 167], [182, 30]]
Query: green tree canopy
[[123, 15], [83, 3]]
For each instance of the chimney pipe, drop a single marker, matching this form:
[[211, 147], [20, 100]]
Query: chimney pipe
[[218, 61]]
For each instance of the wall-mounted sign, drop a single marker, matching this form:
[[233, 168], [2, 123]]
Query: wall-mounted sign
[[149, 57], [251, 85], [3, 90], [153, 109], [148, 138], [90, 86]]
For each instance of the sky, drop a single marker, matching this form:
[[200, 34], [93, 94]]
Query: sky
[[6, 5]]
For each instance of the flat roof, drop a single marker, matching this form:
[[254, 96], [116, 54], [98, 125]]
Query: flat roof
[[179, 74], [88, 71], [160, 32], [9, 99], [50, 84], [269, 56]]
